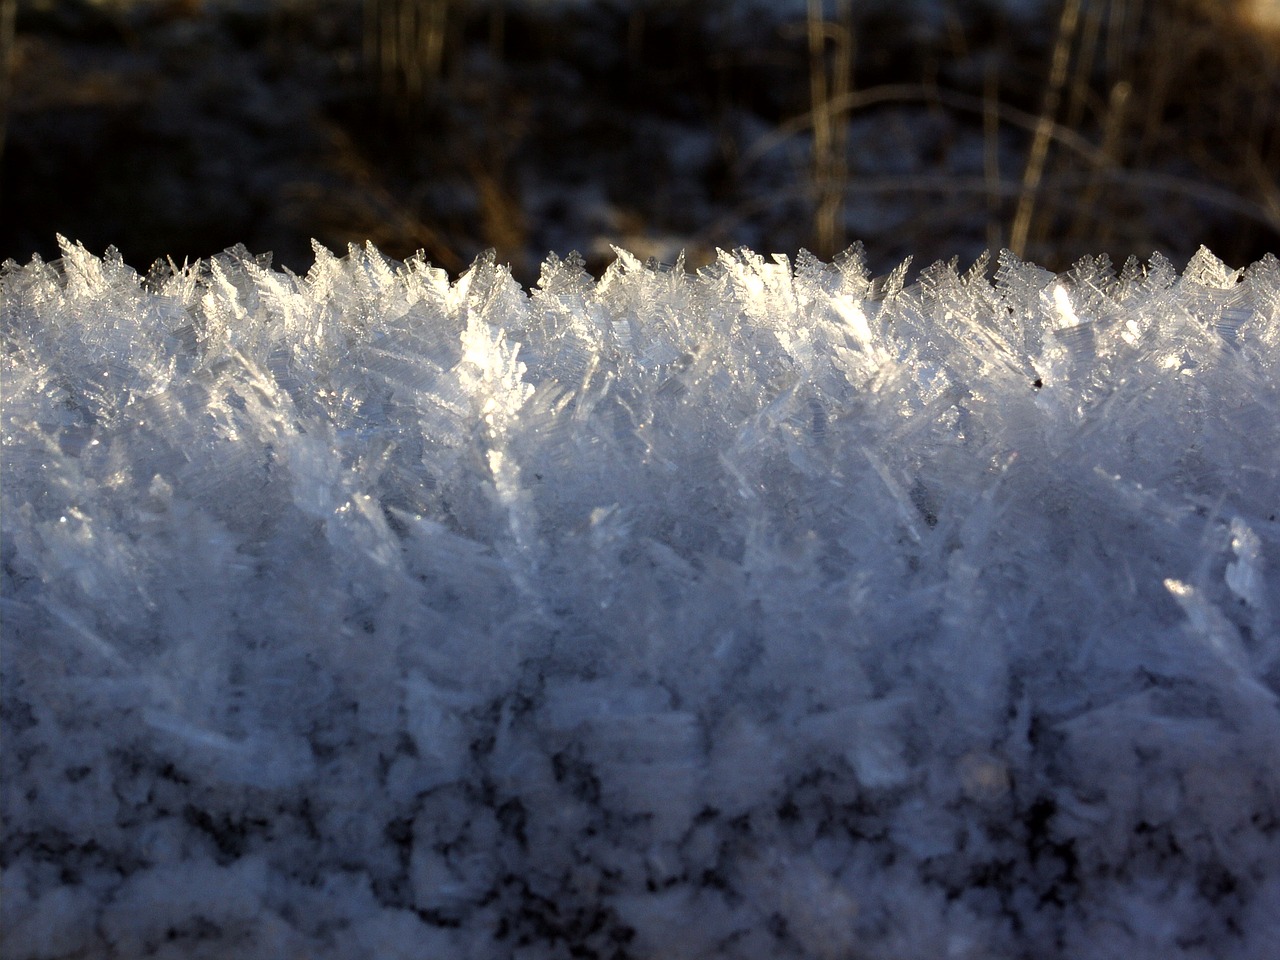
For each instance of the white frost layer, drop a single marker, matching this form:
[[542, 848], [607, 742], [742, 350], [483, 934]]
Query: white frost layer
[[768, 612]]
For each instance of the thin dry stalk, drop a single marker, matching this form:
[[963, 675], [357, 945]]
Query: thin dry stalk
[[387, 58], [1122, 33], [1108, 159], [991, 154], [403, 44], [1159, 85], [830, 129], [1081, 91], [432, 25], [1044, 129], [8, 16]]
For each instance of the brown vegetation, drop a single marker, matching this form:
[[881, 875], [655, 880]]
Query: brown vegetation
[[1123, 126]]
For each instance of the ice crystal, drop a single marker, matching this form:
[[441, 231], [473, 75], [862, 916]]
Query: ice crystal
[[767, 611]]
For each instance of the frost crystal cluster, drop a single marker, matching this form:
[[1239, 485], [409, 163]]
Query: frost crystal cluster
[[772, 611]]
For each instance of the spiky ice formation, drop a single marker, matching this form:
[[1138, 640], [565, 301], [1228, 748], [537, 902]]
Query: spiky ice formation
[[772, 611]]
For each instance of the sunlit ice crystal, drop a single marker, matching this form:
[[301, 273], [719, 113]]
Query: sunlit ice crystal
[[770, 610]]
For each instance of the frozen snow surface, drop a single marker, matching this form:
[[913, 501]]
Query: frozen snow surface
[[773, 611]]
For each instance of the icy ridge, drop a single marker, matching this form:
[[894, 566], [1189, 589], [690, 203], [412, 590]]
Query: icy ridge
[[774, 610]]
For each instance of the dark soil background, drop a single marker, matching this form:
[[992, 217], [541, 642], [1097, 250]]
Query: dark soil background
[[175, 128]]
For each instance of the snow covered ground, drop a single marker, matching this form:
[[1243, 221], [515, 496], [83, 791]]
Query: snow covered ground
[[770, 611]]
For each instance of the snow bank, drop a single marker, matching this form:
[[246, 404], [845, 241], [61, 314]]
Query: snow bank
[[773, 611]]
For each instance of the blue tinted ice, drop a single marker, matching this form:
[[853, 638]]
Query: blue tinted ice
[[775, 610]]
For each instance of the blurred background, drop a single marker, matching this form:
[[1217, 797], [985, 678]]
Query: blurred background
[[938, 128]]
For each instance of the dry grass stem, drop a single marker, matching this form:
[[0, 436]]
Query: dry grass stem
[[1044, 128], [991, 155], [830, 131], [8, 17]]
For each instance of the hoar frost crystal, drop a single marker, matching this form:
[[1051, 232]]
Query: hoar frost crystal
[[772, 611]]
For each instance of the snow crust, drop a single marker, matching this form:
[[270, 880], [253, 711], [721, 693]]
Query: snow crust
[[772, 611]]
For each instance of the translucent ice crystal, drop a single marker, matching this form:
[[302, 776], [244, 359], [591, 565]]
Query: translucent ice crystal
[[775, 610]]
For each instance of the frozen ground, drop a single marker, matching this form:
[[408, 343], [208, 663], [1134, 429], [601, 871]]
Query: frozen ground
[[772, 611]]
